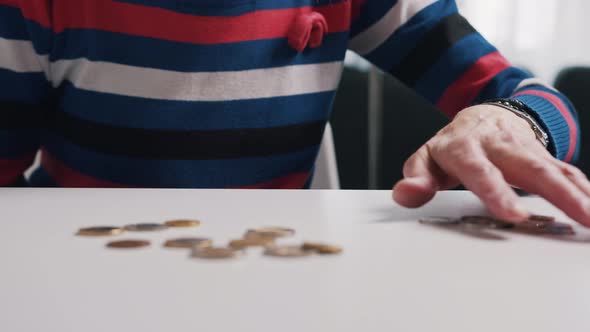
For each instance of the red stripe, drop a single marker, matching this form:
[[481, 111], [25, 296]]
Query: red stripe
[[464, 91], [12, 169], [292, 181], [563, 109], [67, 177], [160, 23], [10, 3]]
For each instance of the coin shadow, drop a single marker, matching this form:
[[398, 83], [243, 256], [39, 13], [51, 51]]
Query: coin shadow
[[478, 233]]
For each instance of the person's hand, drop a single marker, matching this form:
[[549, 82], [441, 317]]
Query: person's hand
[[487, 149]]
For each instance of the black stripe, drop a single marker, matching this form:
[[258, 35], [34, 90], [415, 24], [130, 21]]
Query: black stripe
[[186, 145], [431, 47], [18, 115]]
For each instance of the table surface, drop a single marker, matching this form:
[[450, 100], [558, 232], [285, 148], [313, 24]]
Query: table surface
[[394, 275]]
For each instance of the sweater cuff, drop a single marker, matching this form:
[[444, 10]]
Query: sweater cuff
[[562, 133]]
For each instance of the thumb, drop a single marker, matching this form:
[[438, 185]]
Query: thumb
[[422, 179]]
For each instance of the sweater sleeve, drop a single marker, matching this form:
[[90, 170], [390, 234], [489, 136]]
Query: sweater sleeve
[[23, 89], [430, 47]]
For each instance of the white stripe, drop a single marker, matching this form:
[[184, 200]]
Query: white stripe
[[20, 56], [202, 86], [533, 81], [377, 34]]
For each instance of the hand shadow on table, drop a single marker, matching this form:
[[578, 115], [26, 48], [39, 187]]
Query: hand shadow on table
[[581, 235]]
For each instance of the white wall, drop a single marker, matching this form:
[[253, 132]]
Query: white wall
[[541, 35]]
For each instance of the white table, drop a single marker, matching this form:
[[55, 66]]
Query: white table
[[395, 274]]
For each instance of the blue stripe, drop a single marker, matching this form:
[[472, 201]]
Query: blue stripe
[[40, 178], [136, 112], [25, 87], [12, 23], [17, 143], [452, 65], [179, 173], [168, 55], [227, 7], [371, 12], [405, 39], [502, 85]]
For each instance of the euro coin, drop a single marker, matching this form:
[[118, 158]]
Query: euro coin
[[187, 242], [485, 221], [128, 244], [100, 231], [214, 252], [286, 251], [146, 227], [272, 232], [559, 229], [439, 221], [182, 223], [251, 242], [321, 248], [540, 218]]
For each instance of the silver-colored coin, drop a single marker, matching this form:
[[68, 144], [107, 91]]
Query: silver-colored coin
[[145, 227], [485, 221], [439, 221]]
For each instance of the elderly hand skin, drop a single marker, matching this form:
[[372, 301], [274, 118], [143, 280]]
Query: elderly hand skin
[[487, 149]]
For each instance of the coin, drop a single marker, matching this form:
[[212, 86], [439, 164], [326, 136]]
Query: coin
[[146, 227], [182, 223], [273, 232], [559, 229], [214, 252], [128, 244], [321, 248], [540, 218], [439, 221], [485, 221], [100, 231], [187, 242], [286, 251], [251, 242]]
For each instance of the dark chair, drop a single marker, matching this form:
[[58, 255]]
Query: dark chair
[[574, 82], [408, 122]]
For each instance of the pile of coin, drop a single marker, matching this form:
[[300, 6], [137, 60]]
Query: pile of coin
[[202, 248], [536, 224]]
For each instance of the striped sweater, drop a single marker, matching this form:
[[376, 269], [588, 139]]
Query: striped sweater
[[224, 93]]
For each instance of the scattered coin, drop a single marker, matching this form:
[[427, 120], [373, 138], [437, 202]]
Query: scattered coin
[[286, 251], [187, 242], [272, 232], [214, 252], [540, 218], [439, 221], [321, 248], [128, 244], [182, 223], [485, 221], [100, 231], [146, 227], [252, 242], [559, 229]]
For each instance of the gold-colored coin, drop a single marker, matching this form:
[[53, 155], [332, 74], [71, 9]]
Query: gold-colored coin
[[214, 252], [272, 232], [128, 244], [182, 223], [145, 227], [251, 242], [100, 231], [187, 242], [321, 248], [286, 251]]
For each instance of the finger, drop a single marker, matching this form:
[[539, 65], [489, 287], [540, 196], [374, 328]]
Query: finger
[[468, 162], [423, 178], [539, 176], [574, 174]]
